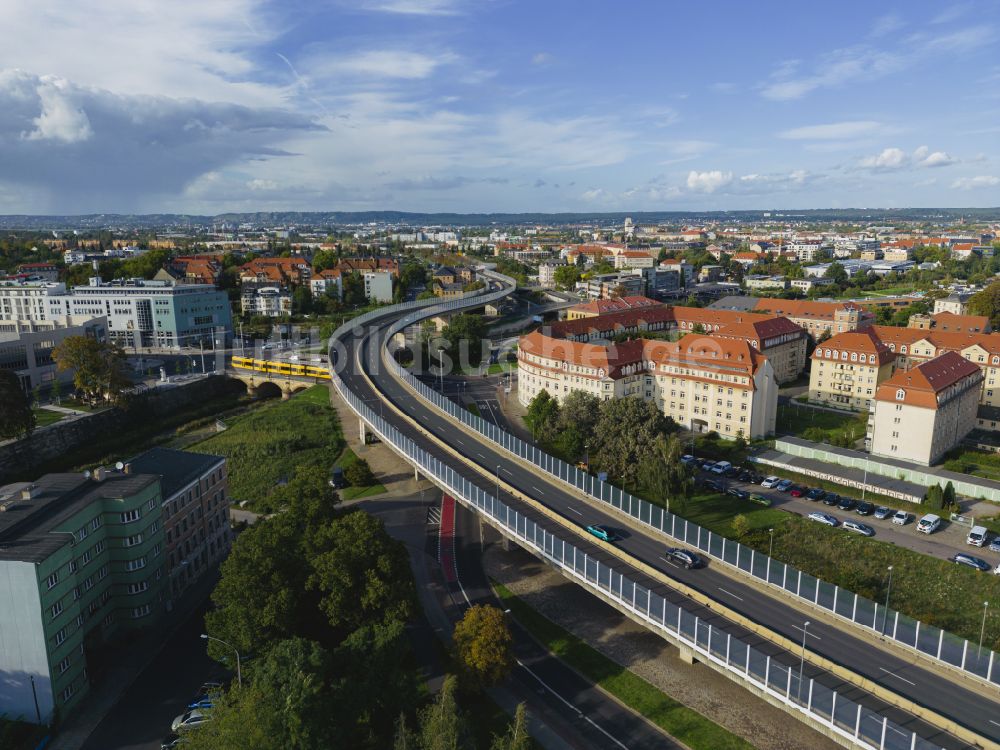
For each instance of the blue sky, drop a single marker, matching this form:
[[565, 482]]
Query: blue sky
[[499, 105]]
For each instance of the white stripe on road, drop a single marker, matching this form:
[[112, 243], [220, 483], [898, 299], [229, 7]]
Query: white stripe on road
[[575, 511], [535, 488], [730, 593], [891, 674], [812, 635], [995, 722]]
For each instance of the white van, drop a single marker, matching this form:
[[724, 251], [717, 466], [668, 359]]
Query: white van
[[928, 524], [721, 467], [977, 537]]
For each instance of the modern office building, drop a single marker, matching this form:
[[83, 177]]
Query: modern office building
[[922, 413], [26, 347], [139, 313], [195, 502], [81, 562]]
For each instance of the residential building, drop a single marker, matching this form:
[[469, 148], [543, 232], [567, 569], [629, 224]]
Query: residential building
[[139, 313], [380, 263], [546, 273], [818, 318], [26, 347], [378, 285], [848, 368], [704, 383], [922, 413], [39, 271], [610, 285], [709, 273], [956, 302], [329, 281], [604, 306], [634, 259], [808, 284], [681, 267], [897, 254], [276, 271], [194, 497], [191, 269], [753, 283], [805, 252], [81, 564], [266, 300], [946, 322]]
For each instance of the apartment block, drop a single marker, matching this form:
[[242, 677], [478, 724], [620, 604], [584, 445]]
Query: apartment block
[[26, 347], [922, 413], [848, 369]]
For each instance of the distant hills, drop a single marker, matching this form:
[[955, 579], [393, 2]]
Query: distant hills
[[321, 219]]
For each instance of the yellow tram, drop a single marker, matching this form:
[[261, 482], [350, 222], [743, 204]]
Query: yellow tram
[[276, 367]]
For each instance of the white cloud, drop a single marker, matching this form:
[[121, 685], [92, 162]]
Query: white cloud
[[383, 63], [595, 194], [887, 24], [975, 183], [708, 182], [262, 185], [541, 58], [60, 118], [889, 158], [834, 130], [924, 157], [413, 7]]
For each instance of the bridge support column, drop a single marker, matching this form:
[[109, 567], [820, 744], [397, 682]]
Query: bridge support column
[[286, 393], [251, 390], [686, 655], [416, 474], [362, 430]]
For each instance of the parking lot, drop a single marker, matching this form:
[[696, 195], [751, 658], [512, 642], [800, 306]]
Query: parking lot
[[947, 541]]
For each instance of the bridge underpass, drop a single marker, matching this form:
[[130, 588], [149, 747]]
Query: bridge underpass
[[600, 566]]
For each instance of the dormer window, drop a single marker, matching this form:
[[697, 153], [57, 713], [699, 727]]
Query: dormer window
[[900, 394]]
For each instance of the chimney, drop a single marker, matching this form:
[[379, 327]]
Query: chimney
[[29, 492]]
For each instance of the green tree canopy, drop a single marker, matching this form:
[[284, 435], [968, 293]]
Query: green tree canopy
[[442, 725], [625, 434], [566, 277], [483, 644], [98, 367], [987, 302], [16, 417]]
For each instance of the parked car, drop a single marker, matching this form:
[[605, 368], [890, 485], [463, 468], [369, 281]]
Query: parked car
[[172, 741], [973, 562], [797, 490], [784, 485], [189, 719], [769, 482], [201, 702], [858, 527], [995, 545], [882, 512], [864, 509], [731, 473], [714, 484], [929, 524], [755, 478], [746, 476], [337, 480], [721, 467], [977, 536], [737, 493], [815, 494], [688, 459], [683, 557], [602, 532], [901, 517], [831, 498], [760, 499], [826, 518], [846, 504]]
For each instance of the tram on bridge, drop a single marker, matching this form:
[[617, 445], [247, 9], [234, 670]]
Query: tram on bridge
[[282, 368]]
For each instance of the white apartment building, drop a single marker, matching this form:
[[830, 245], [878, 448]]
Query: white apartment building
[[547, 271], [378, 285], [704, 383], [268, 301], [922, 413]]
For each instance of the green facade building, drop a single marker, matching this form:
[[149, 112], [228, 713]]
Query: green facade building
[[81, 562]]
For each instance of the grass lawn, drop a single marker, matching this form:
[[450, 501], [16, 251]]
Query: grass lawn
[[977, 463], [45, 416], [73, 403], [716, 512], [821, 426], [473, 408], [494, 369], [347, 458], [687, 725], [265, 446]]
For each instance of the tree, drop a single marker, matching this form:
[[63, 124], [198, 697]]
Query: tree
[[542, 417], [55, 392], [359, 474], [302, 300], [666, 479], [624, 436], [16, 417], [464, 335], [354, 289], [836, 272], [442, 726], [483, 644], [987, 302], [98, 367], [934, 498], [517, 737], [741, 526], [404, 739], [948, 496], [566, 277]]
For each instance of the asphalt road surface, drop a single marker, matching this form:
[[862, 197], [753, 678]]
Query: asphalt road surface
[[861, 653]]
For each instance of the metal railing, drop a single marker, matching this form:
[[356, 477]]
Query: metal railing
[[929, 640], [782, 682]]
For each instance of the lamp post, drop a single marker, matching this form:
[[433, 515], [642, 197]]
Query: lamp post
[[802, 658], [239, 672], [888, 590], [982, 630], [770, 545], [498, 482], [441, 368]]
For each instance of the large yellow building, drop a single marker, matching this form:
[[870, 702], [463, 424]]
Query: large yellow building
[[704, 383], [848, 368]]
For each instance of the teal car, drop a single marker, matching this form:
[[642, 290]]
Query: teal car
[[760, 500], [602, 532]]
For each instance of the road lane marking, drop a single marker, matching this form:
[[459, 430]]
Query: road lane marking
[[995, 722], [812, 635], [535, 488], [481, 455], [730, 593], [892, 674], [575, 511]]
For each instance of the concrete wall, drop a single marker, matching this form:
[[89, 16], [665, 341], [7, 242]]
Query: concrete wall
[[22, 644]]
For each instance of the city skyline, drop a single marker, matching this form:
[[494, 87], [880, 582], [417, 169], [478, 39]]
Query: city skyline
[[440, 105]]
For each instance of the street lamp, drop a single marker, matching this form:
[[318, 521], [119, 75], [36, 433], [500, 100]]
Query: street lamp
[[982, 630], [770, 546], [888, 590], [802, 659], [441, 368], [498, 482], [239, 672]]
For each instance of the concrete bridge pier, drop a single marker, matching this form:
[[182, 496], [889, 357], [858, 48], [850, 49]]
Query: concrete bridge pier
[[685, 654], [362, 430]]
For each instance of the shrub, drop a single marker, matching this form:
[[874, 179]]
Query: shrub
[[359, 474]]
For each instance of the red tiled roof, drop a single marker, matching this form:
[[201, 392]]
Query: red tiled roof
[[921, 385], [864, 342]]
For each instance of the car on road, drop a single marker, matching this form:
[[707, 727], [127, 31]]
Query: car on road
[[683, 557], [821, 517], [603, 533], [797, 490], [784, 485], [815, 494], [737, 493], [831, 498], [858, 528], [972, 561], [189, 719], [882, 512], [171, 741], [769, 482], [901, 517], [760, 499], [864, 509], [846, 504]]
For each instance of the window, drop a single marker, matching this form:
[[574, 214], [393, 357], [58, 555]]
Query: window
[[137, 588], [96, 523], [66, 694], [60, 636], [900, 395], [64, 665], [151, 504], [156, 550], [102, 572], [52, 580], [131, 541], [86, 557], [99, 547], [138, 612], [131, 515], [57, 609], [136, 564], [82, 534]]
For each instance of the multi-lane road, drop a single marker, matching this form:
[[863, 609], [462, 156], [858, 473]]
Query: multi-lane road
[[910, 678]]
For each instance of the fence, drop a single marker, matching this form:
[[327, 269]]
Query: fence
[[783, 682], [906, 631]]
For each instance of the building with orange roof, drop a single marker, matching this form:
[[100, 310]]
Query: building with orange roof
[[922, 413], [604, 306], [329, 281], [848, 368], [947, 322], [819, 318], [276, 271], [704, 383]]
